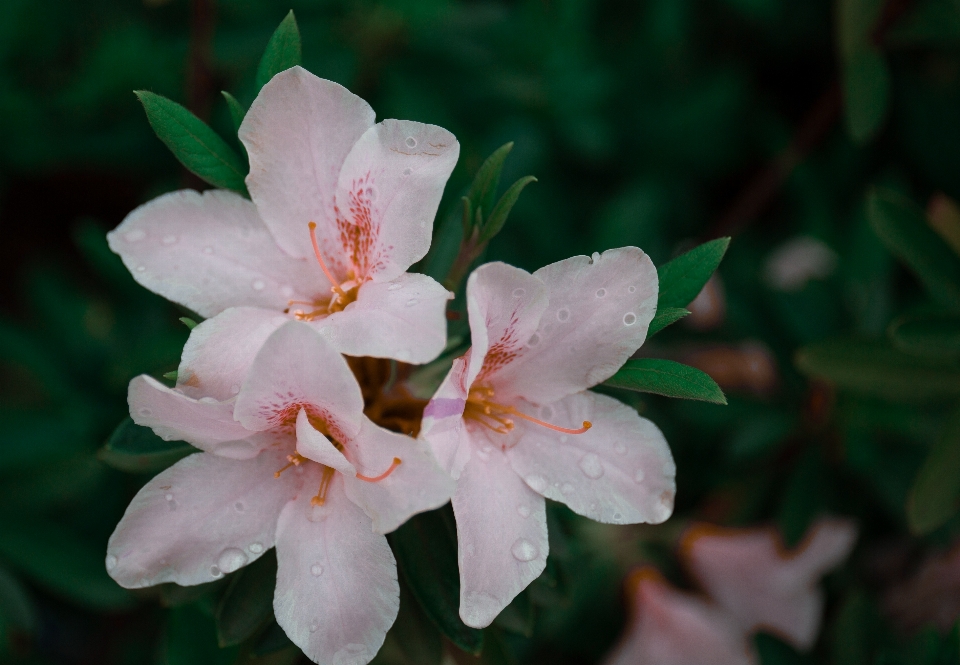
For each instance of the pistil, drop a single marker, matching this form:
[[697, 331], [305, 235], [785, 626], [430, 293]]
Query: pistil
[[382, 476], [323, 266]]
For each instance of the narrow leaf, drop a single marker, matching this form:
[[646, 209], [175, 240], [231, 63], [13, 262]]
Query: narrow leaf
[[903, 228], [932, 335], [236, 110], [501, 211], [283, 51], [665, 316], [188, 322], [668, 378], [866, 94], [190, 139], [137, 449], [483, 189], [247, 604], [935, 495], [682, 279]]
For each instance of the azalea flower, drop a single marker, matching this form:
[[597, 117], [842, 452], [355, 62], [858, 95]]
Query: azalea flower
[[290, 461], [341, 208], [513, 422]]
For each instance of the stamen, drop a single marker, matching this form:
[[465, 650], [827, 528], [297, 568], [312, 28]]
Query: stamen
[[293, 460], [323, 266], [321, 497], [377, 479], [586, 423], [479, 408]]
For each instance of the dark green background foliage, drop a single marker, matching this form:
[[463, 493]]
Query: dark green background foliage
[[657, 123]]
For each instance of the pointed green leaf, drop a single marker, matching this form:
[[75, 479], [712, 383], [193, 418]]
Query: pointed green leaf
[[137, 449], [874, 368], [192, 639], [483, 189], [426, 551], [931, 334], [247, 604], [935, 495], [668, 378], [866, 94], [903, 228], [283, 51], [501, 211], [665, 316], [236, 110], [682, 279], [190, 139], [188, 322]]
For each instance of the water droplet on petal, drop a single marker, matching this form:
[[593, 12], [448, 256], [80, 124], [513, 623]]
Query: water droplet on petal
[[395, 286], [316, 570], [484, 453], [168, 497], [517, 293], [371, 193], [111, 562], [563, 314], [601, 293], [208, 250], [631, 289], [639, 476], [412, 302], [546, 412], [314, 627], [144, 582], [621, 449], [145, 412], [238, 506], [595, 257], [215, 571], [256, 548], [258, 285], [235, 388], [231, 559], [141, 268], [170, 240], [407, 171], [617, 517], [286, 291], [534, 340], [591, 465], [524, 550], [629, 319], [567, 489], [411, 142], [536, 483], [208, 400], [523, 511], [135, 236]]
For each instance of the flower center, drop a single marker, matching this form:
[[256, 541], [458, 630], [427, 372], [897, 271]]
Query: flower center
[[482, 409], [386, 399], [342, 294]]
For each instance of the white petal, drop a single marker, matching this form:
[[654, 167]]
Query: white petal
[[442, 426], [316, 447]]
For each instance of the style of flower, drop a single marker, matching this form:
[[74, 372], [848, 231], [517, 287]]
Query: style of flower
[[513, 422], [341, 208], [290, 461]]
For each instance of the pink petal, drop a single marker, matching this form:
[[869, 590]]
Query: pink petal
[[201, 518], [388, 193], [442, 426], [209, 252], [404, 319], [505, 305], [337, 591], [593, 324], [220, 351], [764, 587], [620, 471], [296, 368], [501, 535], [316, 447], [297, 133], [416, 485], [674, 628], [204, 423]]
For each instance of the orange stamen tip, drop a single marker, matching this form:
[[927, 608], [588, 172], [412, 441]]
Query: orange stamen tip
[[317, 501], [312, 225], [396, 462]]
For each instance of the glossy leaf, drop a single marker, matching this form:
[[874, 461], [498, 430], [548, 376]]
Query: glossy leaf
[[498, 217], [247, 604], [200, 149], [137, 449], [682, 279], [483, 190], [236, 110], [935, 495], [283, 51], [665, 316], [931, 335], [668, 378]]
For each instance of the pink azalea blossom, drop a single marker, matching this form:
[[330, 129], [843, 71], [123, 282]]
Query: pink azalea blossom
[[291, 461], [513, 422], [341, 208]]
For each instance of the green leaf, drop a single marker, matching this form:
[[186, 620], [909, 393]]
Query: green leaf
[[236, 110], [930, 334], [283, 51], [665, 316], [190, 139], [483, 189], [272, 641], [498, 217], [426, 551], [682, 279], [137, 449], [903, 228], [866, 91], [16, 605], [413, 639], [855, 631], [188, 322], [191, 639], [668, 378], [247, 604], [871, 367], [935, 495]]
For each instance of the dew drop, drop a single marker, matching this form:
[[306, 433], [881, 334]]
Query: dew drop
[[135, 236], [231, 559], [238, 506], [111, 562], [141, 268], [235, 388], [407, 171], [621, 449], [546, 412], [412, 302], [534, 340], [145, 412], [639, 476], [524, 550], [170, 240], [567, 489], [601, 293], [371, 193], [536, 483], [394, 287], [631, 289], [314, 627], [256, 548], [563, 314], [411, 142], [591, 465], [484, 453], [629, 319], [208, 250], [617, 517], [595, 257], [215, 571], [258, 285], [144, 582], [523, 510], [208, 400], [286, 291], [518, 293], [316, 570], [168, 497]]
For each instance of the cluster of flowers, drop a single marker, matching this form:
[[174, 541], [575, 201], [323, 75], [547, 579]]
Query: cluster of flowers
[[307, 443]]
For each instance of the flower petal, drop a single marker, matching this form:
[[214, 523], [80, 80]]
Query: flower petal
[[761, 585], [620, 471], [501, 536], [297, 368], [205, 423], [337, 591], [201, 518], [220, 351], [297, 133], [315, 446], [442, 426], [673, 628], [593, 324], [504, 305], [416, 485], [209, 252], [388, 193], [404, 319]]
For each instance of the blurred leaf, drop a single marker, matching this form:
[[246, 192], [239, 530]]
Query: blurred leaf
[[137, 449], [668, 378], [774, 651], [519, 616], [426, 551], [761, 434], [855, 630], [866, 90], [192, 639], [903, 228], [501, 211], [665, 316], [64, 482], [928, 334], [272, 641], [873, 368], [236, 110], [247, 604], [283, 51], [803, 497], [413, 639], [483, 189], [174, 595], [16, 606], [199, 148], [682, 279], [188, 322], [935, 495]]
